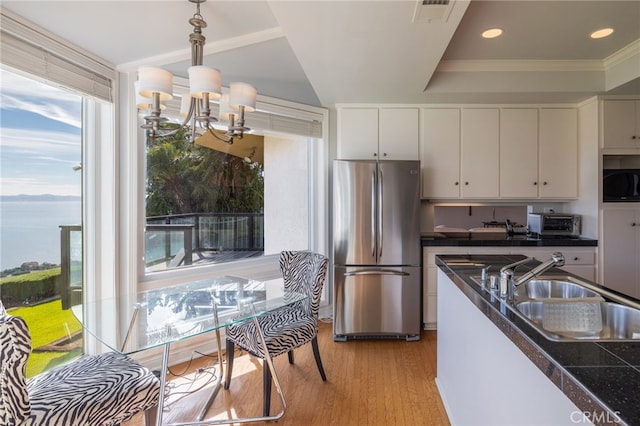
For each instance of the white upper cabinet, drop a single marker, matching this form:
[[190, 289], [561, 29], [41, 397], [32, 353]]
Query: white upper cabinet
[[519, 153], [369, 133], [621, 124], [538, 153], [558, 153], [357, 133], [460, 153], [506, 153], [440, 158], [479, 152]]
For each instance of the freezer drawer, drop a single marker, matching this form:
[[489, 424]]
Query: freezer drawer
[[376, 302]]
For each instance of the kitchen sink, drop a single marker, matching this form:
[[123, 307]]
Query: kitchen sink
[[587, 319], [565, 308], [551, 288]]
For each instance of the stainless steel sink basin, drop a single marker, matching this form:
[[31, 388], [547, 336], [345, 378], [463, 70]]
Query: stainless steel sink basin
[[587, 319], [566, 308], [548, 288]]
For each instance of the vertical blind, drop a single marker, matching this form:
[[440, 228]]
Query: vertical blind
[[25, 47]]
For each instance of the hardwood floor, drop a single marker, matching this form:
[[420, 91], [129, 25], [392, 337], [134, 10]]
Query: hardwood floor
[[369, 382]]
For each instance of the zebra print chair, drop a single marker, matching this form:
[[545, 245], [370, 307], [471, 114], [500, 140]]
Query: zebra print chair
[[289, 327], [98, 390]]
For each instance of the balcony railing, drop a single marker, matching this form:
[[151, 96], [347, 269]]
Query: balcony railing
[[184, 239], [171, 241]]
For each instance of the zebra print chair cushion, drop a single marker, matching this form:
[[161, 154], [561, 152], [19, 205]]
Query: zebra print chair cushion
[[291, 326], [105, 389], [15, 346]]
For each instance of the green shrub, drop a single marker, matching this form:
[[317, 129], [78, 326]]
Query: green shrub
[[29, 288]]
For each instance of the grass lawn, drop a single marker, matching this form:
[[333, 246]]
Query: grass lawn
[[47, 323]]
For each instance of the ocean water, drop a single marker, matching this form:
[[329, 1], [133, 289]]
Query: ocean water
[[30, 230]]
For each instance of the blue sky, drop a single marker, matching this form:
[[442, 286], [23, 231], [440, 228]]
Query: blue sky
[[40, 138]]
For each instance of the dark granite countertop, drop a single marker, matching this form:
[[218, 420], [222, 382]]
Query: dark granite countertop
[[600, 378], [488, 239]]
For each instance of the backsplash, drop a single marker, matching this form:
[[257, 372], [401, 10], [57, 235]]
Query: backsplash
[[468, 217]]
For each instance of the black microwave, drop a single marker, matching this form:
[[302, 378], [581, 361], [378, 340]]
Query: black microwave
[[621, 185]]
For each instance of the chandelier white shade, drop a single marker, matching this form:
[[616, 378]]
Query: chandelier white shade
[[203, 80], [155, 80], [242, 95], [205, 84], [143, 102]]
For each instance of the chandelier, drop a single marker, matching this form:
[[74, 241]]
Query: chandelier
[[155, 85]]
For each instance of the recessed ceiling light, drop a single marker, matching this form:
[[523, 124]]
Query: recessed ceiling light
[[492, 33], [603, 32]]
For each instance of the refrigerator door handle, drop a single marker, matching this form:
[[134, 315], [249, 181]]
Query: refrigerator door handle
[[373, 214], [380, 209], [375, 272]]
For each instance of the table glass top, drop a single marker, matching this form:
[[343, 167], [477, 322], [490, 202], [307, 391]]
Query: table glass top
[[166, 315]]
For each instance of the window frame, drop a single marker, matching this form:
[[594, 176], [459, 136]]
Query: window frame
[[133, 274]]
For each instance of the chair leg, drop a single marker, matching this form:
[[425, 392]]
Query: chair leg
[[230, 353], [290, 355], [150, 416], [316, 355], [266, 374]]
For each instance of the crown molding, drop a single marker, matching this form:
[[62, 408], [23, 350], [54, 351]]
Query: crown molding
[[508, 65], [624, 54]]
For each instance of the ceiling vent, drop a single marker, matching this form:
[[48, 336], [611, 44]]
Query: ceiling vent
[[432, 10]]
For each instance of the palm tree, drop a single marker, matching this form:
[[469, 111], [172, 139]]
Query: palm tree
[[183, 177]]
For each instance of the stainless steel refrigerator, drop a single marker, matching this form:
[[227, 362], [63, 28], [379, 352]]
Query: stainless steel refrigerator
[[376, 239]]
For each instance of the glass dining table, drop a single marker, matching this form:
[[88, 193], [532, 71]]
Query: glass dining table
[[160, 317]]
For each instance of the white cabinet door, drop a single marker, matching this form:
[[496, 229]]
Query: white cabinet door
[[357, 133], [479, 149], [398, 134], [621, 250], [621, 124], [441, 153], [558, 153], [385, 133], [519, 153]]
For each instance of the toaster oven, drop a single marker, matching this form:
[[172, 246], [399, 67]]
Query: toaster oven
[[554, 224]]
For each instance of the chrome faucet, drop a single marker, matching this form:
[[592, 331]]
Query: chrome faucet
[[506, 276], [508, 284]]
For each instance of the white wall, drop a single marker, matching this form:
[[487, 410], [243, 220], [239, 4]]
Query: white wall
[[286, 194]]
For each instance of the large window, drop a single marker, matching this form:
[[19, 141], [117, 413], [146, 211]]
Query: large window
[[41, 249], [59, 165], [209, 202]]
